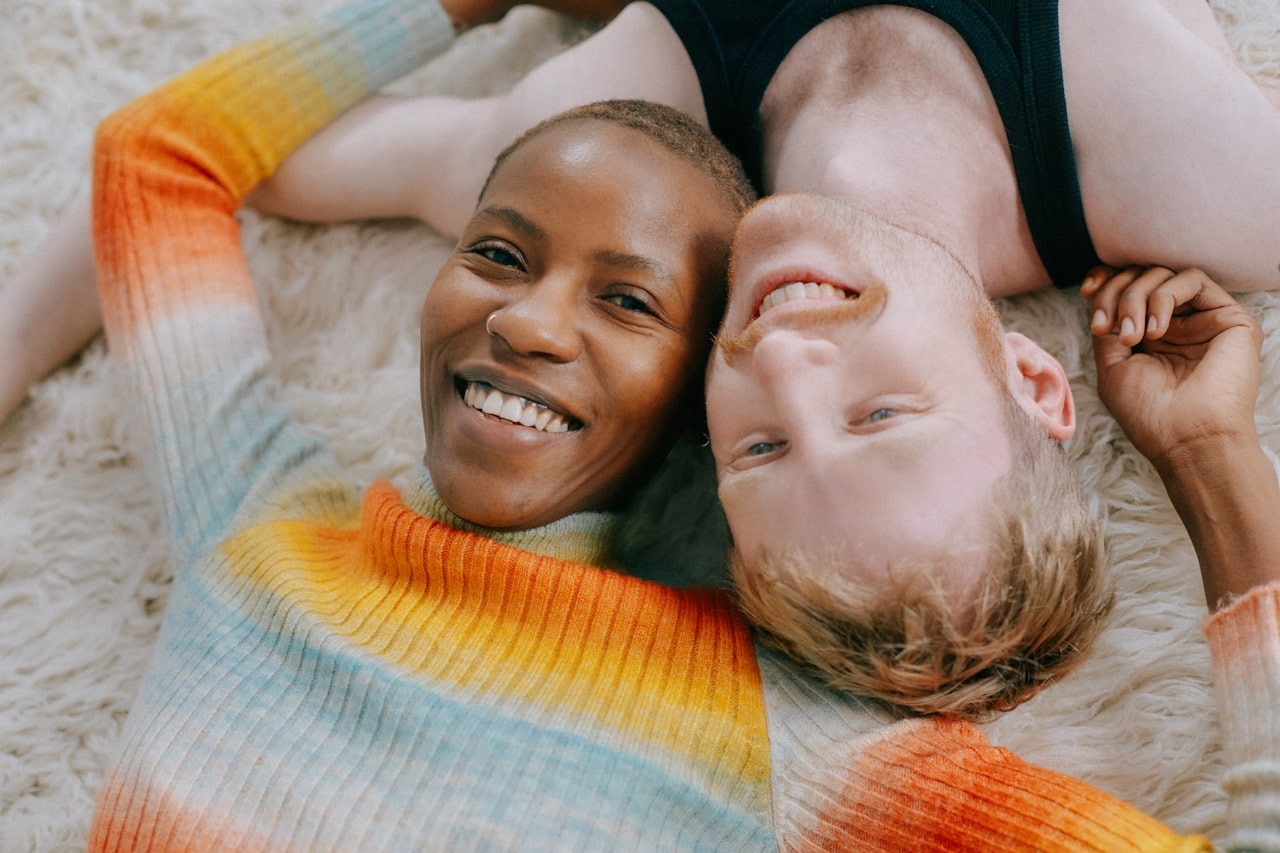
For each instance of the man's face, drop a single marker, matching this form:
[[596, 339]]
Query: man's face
[[601, 253], [849, 407]]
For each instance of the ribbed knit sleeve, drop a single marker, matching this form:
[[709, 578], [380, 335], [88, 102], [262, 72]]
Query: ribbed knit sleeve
[[1244, 640], [848, 776], [170, 170]]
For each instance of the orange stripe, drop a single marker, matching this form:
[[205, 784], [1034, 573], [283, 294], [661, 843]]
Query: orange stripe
[[938, 785], [640, 658], [130, 819]]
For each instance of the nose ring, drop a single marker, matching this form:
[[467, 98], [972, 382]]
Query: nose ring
[[488, 323]]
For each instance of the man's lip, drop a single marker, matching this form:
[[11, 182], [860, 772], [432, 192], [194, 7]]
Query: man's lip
[[778, 279]]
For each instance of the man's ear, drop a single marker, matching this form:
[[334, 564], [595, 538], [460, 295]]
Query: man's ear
[[1038, 383]]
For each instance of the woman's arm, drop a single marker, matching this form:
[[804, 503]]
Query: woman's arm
[[180, 311], [49, 310], [1181, 377]]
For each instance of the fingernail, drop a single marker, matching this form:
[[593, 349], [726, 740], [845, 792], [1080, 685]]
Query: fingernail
[[1099, 319], [1151, 324], [1126, 327]]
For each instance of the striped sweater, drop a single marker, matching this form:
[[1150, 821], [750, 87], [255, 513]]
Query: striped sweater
[[355, 669]]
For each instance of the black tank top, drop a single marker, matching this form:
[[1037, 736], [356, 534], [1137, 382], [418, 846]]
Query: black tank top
[[737, 46]]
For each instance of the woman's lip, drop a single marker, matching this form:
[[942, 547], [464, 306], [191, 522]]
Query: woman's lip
[[514, 408], [514, 387], [494, 437]]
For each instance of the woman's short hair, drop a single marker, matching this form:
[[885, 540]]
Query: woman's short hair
[[669, 127]]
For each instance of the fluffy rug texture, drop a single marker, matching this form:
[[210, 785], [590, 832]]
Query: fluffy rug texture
[[84, 572]]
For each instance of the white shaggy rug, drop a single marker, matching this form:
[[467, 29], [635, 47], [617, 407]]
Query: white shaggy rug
[[83, 571]]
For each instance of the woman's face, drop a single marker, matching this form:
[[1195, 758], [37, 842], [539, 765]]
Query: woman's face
[[599, 255]]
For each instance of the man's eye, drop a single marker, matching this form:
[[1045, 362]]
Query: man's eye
[[881, 415], [762, 448]]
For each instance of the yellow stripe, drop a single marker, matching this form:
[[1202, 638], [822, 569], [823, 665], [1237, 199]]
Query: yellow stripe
[[674, 668]]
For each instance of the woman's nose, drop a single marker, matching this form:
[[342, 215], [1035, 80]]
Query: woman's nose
[[543, 322]]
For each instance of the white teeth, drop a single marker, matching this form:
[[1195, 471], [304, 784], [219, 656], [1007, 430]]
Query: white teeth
[[511, 410], [797, 290], [515, 409]]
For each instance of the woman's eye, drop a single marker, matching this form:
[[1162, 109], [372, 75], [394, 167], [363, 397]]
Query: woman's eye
[[627, 302], [881, 415], [761, 448], [498, 254]]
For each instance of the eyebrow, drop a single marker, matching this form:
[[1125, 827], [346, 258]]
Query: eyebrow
[[622, 260], [512, 217]]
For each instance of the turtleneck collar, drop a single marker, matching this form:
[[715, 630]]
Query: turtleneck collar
[[584, 537]]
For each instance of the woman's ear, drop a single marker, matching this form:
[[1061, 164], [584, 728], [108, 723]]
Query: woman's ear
[[1038, 382]]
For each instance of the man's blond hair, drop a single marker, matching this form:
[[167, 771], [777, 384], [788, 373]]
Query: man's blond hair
[[1042, 600]]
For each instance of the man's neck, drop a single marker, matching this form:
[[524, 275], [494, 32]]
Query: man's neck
[[916, 139]]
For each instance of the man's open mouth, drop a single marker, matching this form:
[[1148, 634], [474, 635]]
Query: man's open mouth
[[517, 410], [795, 291]]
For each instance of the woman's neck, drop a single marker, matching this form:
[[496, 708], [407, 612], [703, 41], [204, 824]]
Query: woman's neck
[[584, 537]]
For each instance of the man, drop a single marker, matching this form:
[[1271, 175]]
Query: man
[[901, 518]]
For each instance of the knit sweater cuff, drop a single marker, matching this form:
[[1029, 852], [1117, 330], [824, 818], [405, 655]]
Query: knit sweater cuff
[[1244, 640]]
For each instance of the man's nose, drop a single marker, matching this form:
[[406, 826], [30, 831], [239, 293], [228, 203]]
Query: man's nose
[[542, 321], [796, 370]]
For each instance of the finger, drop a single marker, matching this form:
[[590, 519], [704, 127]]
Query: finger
[[1105, 296], [1198, 328], [1109, 351], [1197, 294], [1230, 322], [1209, 295], [1179, 290], [1095, 279], [1133, 306], [1120, 304]]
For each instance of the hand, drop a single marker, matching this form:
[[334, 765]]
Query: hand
[[1177, 361], [472, 12]]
